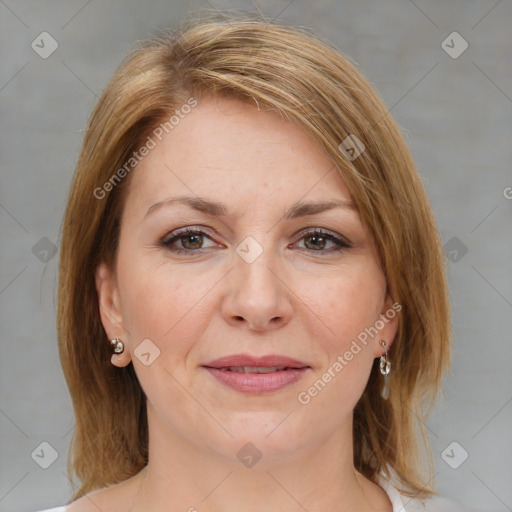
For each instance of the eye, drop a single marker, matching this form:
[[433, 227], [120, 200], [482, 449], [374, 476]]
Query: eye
[[189, 240], [316, 241]]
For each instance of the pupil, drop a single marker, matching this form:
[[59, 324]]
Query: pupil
[[194, 244], [315, 237]]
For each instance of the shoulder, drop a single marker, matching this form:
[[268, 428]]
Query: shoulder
[[434, 504], [404, 503], [56, 509], [115, 498], [89, 503]]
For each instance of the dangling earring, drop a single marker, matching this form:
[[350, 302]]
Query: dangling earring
[[117, 345], [385, 368]]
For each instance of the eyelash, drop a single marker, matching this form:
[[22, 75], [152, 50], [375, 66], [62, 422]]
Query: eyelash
[[168, 240]]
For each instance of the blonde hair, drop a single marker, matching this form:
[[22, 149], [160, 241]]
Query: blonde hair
[[313, 84]]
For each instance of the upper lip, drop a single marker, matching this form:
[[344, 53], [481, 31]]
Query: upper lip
[[269, 360]]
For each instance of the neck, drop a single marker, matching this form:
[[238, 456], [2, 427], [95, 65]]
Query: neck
[[193, 478]]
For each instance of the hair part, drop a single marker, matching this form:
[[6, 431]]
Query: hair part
[[309, 82]]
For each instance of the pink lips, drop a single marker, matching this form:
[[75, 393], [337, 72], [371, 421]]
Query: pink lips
[[240, 372]]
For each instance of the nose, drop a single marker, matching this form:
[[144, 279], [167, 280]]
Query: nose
[[257, 297]]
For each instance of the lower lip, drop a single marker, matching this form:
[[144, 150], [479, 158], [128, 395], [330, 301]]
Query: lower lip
[[258, 382]]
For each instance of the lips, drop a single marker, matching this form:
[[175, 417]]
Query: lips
[[249, 374]]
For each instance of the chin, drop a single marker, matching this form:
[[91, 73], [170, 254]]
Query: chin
[[263, 436]]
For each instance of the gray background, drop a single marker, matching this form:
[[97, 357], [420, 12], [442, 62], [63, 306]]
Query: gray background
[[456, 113]]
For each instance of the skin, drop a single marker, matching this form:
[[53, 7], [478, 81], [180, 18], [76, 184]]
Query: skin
[[300, 298]]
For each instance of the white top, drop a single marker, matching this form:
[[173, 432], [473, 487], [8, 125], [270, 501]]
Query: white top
[[403, 503], [400, 503]]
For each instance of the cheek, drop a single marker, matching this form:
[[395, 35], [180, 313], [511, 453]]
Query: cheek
[[349, 308], [153, 299], [168, 305], [165, 307], [347, 304]]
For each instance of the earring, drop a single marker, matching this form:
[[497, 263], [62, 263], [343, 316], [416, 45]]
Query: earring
[[385, 363], [117, 345], [385, 368]]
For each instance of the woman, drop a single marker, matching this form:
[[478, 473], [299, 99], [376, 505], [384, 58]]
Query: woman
[[253, 310]]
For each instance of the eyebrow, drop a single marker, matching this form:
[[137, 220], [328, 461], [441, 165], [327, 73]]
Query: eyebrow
[[217, 209]]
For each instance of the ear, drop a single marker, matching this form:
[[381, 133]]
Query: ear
[[110, 310], [387, 325]]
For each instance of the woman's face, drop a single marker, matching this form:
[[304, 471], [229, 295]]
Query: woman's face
[[251, 278]]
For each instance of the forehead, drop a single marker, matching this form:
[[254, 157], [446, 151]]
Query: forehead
[[230, 150]]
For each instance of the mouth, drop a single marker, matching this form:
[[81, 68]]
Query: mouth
[[256, 369], [256, 375], [240, 362]]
